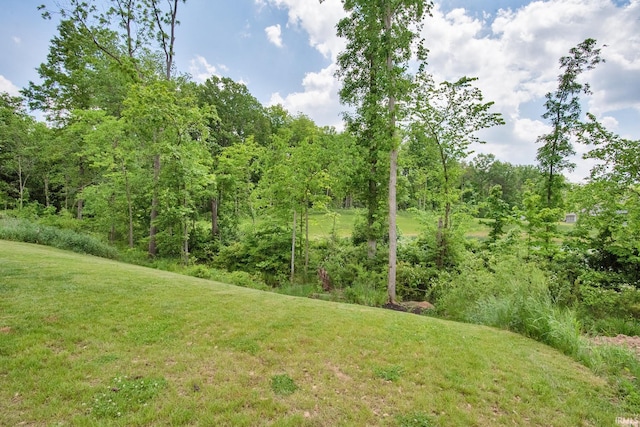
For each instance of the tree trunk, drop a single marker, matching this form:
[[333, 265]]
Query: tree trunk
[[80, 208], [391, 285], [293, 246], [47, 197], [20, 185], [372, 207], [153, 250], [214, 218], [440, 245], [393, 178], [185, 235], [129, 204], [306, 241]]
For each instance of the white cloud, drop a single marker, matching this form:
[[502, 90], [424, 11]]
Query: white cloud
[[201, 70], [8, 87], [318, 20], [515, 54], [274, 34], [319, 100], [16, 39]]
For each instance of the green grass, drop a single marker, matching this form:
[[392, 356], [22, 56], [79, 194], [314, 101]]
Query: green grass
[[74, 328], [321, 224]]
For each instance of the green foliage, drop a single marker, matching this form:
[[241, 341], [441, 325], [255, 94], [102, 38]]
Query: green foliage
[[437, 246], [541, 225], [368, 288], [510, 293], [413, 282], [283, 385], [601, 303], [563, 111], [265, 249], [499, 211], [23, 230], [125, 395], [359, 278], [238, 278]]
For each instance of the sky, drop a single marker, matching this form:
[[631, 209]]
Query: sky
[[284, 51]]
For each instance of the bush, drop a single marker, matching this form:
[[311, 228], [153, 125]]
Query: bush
[[413, 282], [266, 250], [368, 289], [237, 278], [601, 303], [23, 230]]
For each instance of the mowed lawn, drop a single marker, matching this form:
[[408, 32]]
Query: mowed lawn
[[342, 221], [86, 341], [410, 225]]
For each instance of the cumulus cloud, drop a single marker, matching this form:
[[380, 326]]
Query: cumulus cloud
[[319, 99], [8, 87], [515, 54], [318, 20], [274, 34], [201, 70]]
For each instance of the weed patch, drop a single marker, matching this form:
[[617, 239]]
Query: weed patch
[[125, 395], [389, 373], [283, 385], [416, 419]]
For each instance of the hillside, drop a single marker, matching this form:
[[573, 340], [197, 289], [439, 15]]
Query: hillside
[[88, 341]]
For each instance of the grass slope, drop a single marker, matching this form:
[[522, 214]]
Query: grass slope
[[88, 341]]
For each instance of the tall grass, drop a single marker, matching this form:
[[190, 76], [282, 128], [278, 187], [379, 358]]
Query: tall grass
[[24, 230], [508, 293]]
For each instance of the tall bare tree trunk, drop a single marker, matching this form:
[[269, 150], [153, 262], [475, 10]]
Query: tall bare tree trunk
[[80, 208], [293, 247], [47, 196], [306, 241], [153, 249], [214, 218], [393, 177]]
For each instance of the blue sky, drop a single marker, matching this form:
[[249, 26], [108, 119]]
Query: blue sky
[[285, 50]]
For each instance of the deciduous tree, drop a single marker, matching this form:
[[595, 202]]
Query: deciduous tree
[[380, 36]]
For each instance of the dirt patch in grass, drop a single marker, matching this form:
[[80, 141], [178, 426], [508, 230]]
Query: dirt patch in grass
[[632, 343], [5, 330]]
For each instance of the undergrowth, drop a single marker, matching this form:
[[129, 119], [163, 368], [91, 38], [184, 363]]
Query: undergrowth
[[27, 231]]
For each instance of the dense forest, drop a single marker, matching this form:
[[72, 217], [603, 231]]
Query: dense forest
[[204, 178]]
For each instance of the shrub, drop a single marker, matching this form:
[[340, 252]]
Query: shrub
[[369, 289], [266, 250], [23, 230], [237, 278], [413, 282]]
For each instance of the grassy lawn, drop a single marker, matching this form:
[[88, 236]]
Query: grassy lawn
[[88, 341], [321, 224]]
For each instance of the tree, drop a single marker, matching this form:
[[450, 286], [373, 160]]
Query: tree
[[236, 167], [295, 178], [610, 204], [448, 115], [171, 128], [380, 36], [563, 111], [20, 143], [121, 39], [240, 114]]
